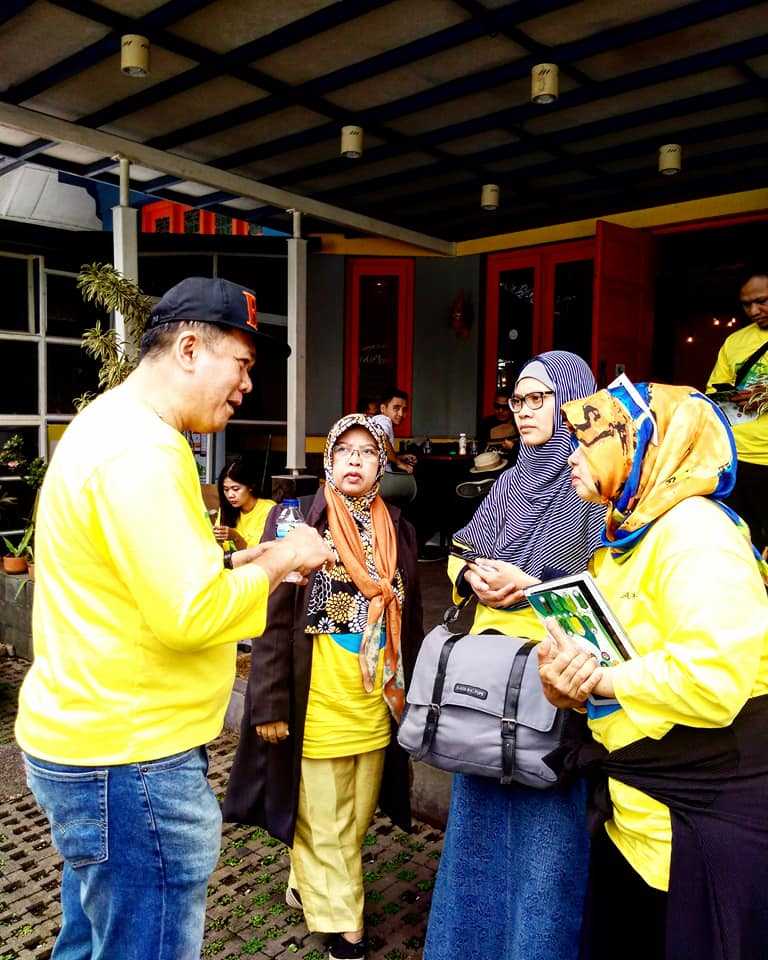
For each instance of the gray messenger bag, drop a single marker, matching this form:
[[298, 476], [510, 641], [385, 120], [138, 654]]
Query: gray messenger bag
[[475, 705]]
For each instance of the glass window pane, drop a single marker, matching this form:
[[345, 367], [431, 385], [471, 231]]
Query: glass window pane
[[18, 375], [13, 283], [68, 314], [573, 308], [15, 516], [264, 447], [379, 301], [158, 274], [268, 399], [71, 372], [515, 324], [268, 276]]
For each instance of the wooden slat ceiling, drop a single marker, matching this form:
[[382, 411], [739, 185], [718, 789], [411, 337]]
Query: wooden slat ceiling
[[441, 87]]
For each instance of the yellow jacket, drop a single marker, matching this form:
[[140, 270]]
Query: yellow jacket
[[692, 601]]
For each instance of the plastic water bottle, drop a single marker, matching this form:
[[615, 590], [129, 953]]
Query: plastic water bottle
[[289, 517], [462, 444]]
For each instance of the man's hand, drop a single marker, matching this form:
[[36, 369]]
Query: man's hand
[[403, 465], [409, 458], [311, 550], [568, 673], [272, 732], [497, 583]]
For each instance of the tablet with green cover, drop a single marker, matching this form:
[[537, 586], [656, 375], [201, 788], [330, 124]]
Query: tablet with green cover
[[582, 612]]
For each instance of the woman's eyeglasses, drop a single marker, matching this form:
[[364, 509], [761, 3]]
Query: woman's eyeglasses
[[346, 452], [533, 400]]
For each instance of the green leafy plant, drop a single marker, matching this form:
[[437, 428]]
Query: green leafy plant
[[104, 285], [6, 500], [12, 452], [20, 549], [35, 473]]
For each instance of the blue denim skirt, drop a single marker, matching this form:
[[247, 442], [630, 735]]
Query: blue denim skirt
[[513, 873]]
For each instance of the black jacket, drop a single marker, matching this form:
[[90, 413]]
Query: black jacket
[[264, 781]]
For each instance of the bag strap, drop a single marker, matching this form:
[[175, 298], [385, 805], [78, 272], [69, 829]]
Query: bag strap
[[433, 711], [744, 368], [509, 719]]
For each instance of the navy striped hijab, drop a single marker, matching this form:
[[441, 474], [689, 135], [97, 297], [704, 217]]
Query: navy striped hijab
[[532, 516]]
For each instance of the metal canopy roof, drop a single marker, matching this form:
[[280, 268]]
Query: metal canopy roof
[[260, 91]]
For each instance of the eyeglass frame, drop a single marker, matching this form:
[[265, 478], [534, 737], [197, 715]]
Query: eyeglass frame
[[524, 400], [345, 451]]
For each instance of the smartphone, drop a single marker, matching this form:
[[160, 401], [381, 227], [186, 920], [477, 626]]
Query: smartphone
[[462, 550]]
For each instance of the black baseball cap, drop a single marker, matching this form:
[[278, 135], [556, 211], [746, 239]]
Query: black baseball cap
[[221, 302]]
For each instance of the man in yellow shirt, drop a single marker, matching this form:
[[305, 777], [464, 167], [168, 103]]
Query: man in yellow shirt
[[135, 624], [750, 427]]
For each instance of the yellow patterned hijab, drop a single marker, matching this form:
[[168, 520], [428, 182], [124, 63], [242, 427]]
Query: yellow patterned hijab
[[649, 446]]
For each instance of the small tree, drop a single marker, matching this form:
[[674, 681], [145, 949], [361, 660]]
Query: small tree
[[104, 285]]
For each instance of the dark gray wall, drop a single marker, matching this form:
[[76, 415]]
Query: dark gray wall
[[325, 342], [445, 367]]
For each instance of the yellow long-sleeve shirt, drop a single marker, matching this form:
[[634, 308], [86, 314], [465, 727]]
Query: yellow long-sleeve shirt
[[751, 437], [692, 601], [135, 619]]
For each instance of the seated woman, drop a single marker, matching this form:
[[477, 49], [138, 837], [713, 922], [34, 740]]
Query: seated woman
[[317, 749], [681, 868], [242, 513], [513, 873]]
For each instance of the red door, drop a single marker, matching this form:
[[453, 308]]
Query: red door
[[378, 345], [622, 320]]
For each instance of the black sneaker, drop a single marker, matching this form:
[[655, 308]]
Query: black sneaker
[[339, 948]]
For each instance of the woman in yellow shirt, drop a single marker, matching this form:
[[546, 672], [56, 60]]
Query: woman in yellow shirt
[[681, 869], [242, 513], [327, 689]]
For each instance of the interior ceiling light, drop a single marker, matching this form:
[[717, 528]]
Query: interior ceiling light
[[544, 83], [352, 142], [489, 198], [134, 55], [670, 158]]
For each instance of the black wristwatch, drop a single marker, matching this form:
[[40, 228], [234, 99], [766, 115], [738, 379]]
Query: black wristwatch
[[228, 559]]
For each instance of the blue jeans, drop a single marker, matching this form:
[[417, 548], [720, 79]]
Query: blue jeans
[[139, 842]]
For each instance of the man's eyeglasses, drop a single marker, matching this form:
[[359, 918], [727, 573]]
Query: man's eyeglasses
[[533, 400], [346, 452]]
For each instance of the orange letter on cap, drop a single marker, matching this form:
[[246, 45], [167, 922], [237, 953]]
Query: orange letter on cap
[[253, 317]]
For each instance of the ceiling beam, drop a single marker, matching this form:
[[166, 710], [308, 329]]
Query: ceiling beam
[[107, 46], [487, 79], [42, 125], [408, 53]]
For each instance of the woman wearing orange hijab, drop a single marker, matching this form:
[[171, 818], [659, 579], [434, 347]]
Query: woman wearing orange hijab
[[317, 749], [680, 869]]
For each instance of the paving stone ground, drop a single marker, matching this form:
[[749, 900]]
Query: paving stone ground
[[247, 915]]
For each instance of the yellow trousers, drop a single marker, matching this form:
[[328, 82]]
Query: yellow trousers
[[337, 800]]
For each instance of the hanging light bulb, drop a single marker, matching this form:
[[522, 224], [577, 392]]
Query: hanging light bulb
[[489, 198], [134, 55], [544, 83], [670, 158], [352, 142]]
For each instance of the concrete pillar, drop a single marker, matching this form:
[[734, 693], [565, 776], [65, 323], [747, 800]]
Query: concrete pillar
[[125, 231], [297, 362]]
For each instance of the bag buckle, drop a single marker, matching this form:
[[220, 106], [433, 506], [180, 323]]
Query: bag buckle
[[434, 708], [451, 615], [508, 726]]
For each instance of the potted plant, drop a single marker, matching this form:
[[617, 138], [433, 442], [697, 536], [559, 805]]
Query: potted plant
[[15, 561], [12, 453]]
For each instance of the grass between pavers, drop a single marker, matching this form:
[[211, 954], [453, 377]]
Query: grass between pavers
[[247, 915]]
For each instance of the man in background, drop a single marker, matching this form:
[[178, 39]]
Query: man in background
[[392, 409], [498, 432], [135, 625], [742, 364]]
